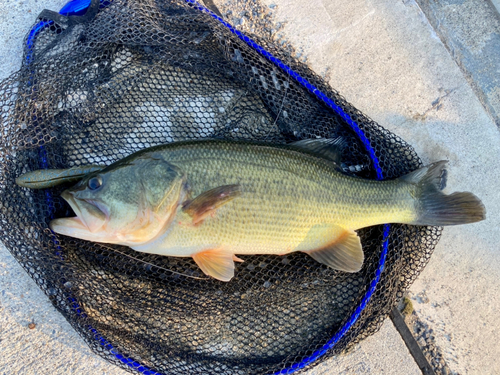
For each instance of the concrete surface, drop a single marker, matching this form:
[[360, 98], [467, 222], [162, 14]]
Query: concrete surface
[[496, 4], [387, 60], [470, 29]]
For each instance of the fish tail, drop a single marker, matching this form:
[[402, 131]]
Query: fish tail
[[438, 209]]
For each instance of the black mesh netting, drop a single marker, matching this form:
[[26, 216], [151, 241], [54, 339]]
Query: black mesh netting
[[143, 72]]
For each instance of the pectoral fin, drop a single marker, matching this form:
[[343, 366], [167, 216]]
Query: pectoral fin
[[216, 263], [338, 248], [208, 202], [236, 259]]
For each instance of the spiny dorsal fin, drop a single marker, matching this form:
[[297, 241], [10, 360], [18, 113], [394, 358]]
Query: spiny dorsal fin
[[209, 201], [326, 148]]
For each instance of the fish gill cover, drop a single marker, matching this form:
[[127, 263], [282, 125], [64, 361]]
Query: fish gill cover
[[136, 73]]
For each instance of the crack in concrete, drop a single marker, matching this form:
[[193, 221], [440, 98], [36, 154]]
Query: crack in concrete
[[435, 105]]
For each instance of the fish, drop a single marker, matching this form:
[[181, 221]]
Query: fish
[[213, 200], [47, 178]]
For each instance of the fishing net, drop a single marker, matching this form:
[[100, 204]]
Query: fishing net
[[129, 74]]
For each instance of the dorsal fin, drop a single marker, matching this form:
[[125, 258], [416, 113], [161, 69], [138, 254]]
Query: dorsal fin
[[326, 148]]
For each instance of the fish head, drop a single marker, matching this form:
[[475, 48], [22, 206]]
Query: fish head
[[127, 203]]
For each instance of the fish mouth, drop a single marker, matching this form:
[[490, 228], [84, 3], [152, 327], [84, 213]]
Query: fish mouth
[[90, 218]]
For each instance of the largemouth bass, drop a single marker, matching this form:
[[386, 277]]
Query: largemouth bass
[[213, 200]]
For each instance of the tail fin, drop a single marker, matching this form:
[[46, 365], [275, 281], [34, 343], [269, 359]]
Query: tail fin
[[436, 208]]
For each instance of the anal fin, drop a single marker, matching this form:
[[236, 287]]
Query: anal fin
[[342, 251], [216, 263]]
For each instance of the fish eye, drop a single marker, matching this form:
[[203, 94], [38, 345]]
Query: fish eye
[[94, 183]]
